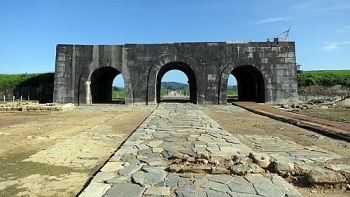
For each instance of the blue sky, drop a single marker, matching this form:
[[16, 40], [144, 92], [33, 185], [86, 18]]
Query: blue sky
[[31, 29]]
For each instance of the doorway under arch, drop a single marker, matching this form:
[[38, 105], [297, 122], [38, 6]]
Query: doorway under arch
[[187, 70], [232, 91], [250, 83], [101, 84]]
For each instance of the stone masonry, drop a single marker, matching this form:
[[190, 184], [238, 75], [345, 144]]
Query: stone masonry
[[266, 72], [143, 165]]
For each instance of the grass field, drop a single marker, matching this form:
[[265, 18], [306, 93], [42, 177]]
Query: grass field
[[22, 80], [232, 92], [118, 94]]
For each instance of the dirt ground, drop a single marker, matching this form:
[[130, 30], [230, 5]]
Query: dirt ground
[[92, 133], [28, 168], [246, 123]]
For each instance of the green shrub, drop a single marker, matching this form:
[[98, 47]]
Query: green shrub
[[324, 78], [8, 81]]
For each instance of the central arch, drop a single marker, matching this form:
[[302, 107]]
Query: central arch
[[181, 67]]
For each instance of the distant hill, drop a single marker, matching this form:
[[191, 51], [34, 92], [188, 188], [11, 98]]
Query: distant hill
[[177, 85], [232, 87], [174, 85]]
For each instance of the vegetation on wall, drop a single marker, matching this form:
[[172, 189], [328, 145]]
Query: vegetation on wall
[[324, 78], [9, 81]]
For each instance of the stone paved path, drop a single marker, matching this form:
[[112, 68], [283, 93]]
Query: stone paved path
[[141, 166], [294, 152]]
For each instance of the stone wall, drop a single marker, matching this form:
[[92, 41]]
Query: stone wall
[[307, 93], [18, 92], [265, 71], [43, 93]]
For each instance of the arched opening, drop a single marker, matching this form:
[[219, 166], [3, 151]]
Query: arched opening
[[174, 86], [174, 94], [101, 84], [118, 90], [232, 89], [250, 84]]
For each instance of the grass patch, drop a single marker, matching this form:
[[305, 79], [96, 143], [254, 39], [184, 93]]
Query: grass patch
[[163, 92], [9, 81], [11, 190], [232, 92], [13, 167], [118, 94]]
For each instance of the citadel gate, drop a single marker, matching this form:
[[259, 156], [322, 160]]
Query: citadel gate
[[266, 72]]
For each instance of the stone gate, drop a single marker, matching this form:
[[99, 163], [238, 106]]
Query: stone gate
[[266, 72]]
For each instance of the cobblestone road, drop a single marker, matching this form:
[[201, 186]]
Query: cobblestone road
[[141, 166]]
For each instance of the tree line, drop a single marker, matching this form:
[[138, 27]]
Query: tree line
[[324, 78]]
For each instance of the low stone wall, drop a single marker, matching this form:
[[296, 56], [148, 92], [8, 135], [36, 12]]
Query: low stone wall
[[337, 92], [35, 107], [25, 92], [43, 93]]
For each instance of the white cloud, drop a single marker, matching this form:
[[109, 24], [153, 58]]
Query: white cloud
[[330, 47], [343, 30], [339, 7], [321, 7], [334, 45], [272, 20], [306, 5]]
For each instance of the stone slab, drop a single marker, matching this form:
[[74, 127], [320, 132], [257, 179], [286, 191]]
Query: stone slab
[[125, 189]]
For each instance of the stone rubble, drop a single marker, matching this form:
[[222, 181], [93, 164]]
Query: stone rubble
[[30, 106]]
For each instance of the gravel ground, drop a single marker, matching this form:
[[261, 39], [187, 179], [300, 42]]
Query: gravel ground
[[55, 153]]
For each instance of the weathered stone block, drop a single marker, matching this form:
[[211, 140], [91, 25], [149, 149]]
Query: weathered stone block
[[262, 159], [325, 177], [283, 167]]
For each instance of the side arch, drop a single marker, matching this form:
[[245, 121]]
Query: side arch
[[96, 84], [251, 80], [101, 84], [166, 63]]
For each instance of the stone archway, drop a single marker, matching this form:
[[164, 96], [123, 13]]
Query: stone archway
[[186, 69], [250, 83], [169, 62], [251, 80], [101, 84]]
